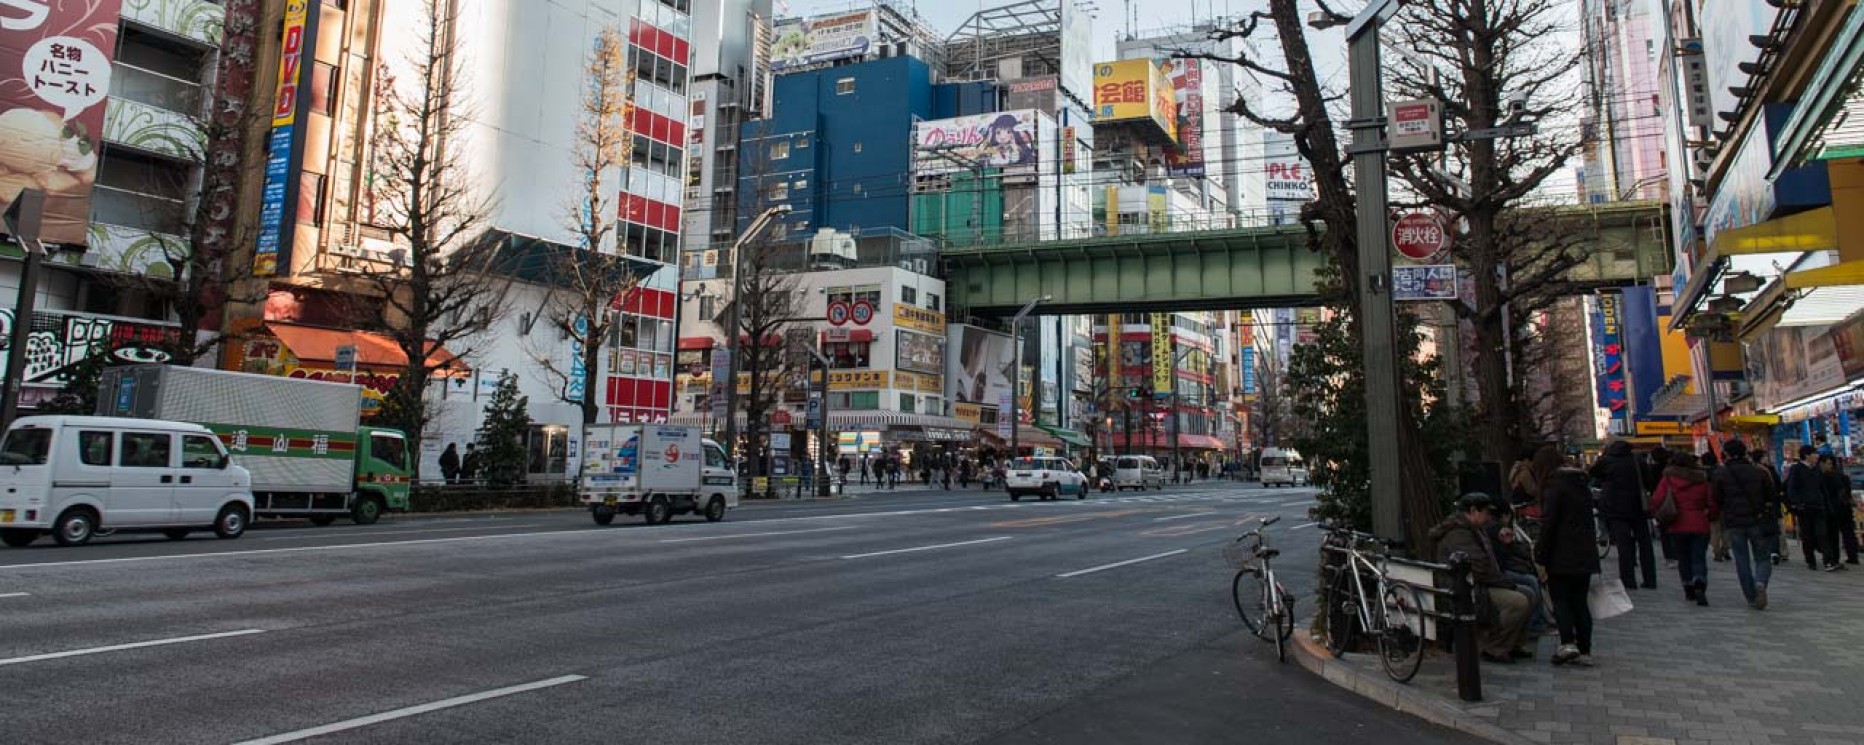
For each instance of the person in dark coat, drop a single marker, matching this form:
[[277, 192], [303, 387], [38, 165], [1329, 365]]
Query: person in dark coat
[[470, 465], [1840, 525], [1568, 551], [1805, 495], [1687, 486], [1621, 477], [1746, 495], [450, 463], [1462, 533]]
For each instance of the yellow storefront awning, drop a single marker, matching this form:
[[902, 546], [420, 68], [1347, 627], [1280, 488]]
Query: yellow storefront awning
[[1812, 230]]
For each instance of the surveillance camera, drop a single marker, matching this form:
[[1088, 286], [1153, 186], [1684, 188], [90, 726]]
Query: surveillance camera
[[1517, 103]]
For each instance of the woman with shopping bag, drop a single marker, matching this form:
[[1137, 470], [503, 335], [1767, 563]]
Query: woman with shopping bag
[[1684, 506], [1568, 550]]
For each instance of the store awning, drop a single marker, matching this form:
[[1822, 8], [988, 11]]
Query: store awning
[[1756, 249], [1752, 420], [697, 342], [1068, 436], [314, 344], [1201, 442], [1026, 436], [1808, 297]]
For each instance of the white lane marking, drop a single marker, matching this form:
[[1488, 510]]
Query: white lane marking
[[927, 548], [448, 703], [120, 647], [366, 534], [1304, 525], [1181, 517], [755, 535], [15, 594], [301, 549], [1118, 564]]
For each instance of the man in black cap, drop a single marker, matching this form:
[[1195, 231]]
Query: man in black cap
[[1462, 533]]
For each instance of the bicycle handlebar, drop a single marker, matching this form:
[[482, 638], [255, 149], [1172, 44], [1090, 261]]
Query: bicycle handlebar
[[1267, 521]]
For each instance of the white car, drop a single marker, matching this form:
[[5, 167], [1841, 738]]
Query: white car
[[1283, 467], [81, 476], [1049, 478]]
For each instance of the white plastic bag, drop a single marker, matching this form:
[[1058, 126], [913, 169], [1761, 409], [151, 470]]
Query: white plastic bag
[[1607, 598]]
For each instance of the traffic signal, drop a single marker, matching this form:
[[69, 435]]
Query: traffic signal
[[1134, 394]]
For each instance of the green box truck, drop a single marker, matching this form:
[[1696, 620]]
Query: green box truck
[[302, 440]]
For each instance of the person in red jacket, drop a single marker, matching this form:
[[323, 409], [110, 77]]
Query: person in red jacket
[[1687, 483]]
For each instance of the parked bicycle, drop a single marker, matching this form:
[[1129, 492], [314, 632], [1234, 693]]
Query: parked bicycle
[[1265, 606], [1363, 598]]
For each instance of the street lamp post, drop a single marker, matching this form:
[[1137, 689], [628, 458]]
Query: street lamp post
[[23, 219], [758, 225], [1016, 370]]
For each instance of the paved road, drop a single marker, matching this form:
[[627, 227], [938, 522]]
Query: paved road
[[904, 618]]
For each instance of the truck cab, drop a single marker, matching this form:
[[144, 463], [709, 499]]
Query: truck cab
[[384, 474]]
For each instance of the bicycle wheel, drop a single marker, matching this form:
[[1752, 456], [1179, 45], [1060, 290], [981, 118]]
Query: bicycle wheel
[[1284, 623], [1342, 611], [1401, 640], [1246, 590]]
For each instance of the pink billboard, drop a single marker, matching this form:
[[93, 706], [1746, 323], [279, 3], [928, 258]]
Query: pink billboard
[[54, 74]]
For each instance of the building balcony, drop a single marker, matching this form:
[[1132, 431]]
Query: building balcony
[[151, 128], [196, 20]]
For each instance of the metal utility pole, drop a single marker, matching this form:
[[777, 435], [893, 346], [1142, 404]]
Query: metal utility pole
[[758, 225], [1016, 370], [23, 220], [824, 470], [1378, 333]]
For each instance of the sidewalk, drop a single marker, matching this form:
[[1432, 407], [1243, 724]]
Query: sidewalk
[[1671, 673]]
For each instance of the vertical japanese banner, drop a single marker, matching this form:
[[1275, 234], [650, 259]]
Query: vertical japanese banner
[[281, 152], [719, 396], [1161, 353], [1116, 378], [1186, 158], [54, 74], [1612, 393], [576, 384], [1249, 371]]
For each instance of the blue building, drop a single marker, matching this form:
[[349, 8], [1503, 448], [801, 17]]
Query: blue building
[[837, 146]]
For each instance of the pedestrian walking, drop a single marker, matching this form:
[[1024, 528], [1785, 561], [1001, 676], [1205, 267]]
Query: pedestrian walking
[[1568, 551], [1653, 473], [843, 467], [1718, 541], [866, 468], [1840, 523], [1805, 496], [1684, 496], [470, 465], [1622, 505], [1462, 533], [1745, 493], [1524, 486], [450, 463]]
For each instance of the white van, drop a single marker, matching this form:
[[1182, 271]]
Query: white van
[[81, 476], [1137, 472], [1283, 467]]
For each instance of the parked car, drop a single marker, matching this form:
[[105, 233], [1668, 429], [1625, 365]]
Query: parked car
[[77, 477], [1137, 472], [1282, 468], [1046, 477]]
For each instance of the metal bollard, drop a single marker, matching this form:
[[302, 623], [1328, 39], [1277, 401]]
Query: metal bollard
[[1463, 604]]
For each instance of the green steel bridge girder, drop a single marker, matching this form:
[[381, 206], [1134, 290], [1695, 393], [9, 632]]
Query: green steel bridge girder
[[1239, 268]]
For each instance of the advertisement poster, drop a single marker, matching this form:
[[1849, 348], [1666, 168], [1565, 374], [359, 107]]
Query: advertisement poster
[[1161, 353], [918, 352], [1249, 371], [1424, 282], [279, 183], [1134, 89], [1610, 355], [807, 41], [984, 140], [55, 69], [1187, 83], [1793, 362], [980, 369], [1286, 178]]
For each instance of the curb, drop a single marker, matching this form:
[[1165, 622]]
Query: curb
[[1397, 696]]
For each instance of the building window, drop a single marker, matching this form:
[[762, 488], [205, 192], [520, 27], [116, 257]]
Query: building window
[[868, 293], [135, 190], [909, 295], [844, 86], [708, 307], [324, 89], [779, 192], [780, 150], [908, 403], [310, 198], [158, 70], [857, 148], [847, 355], [932, 301], [864, 400]]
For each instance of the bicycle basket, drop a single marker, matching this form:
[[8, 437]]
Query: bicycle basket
[[1237, 555]]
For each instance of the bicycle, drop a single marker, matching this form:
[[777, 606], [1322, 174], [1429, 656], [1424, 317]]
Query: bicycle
[[1255, 590], [1395, 621]]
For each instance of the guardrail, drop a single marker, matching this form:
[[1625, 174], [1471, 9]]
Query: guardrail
[[1447, 583]]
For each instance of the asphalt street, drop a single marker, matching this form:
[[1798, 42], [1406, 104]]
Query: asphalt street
[[916, 617]]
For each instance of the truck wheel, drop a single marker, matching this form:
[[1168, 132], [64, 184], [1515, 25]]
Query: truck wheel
[[603, 514], [715, 509], [231, 522], [366, 511], [75, 527], [322, 520], [18, 537], [176, 534], [658, 511]]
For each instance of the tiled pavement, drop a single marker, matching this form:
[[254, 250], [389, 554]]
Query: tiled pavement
[[1671, 673]]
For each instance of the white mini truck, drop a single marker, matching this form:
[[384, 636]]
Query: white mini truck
[[656, 471]]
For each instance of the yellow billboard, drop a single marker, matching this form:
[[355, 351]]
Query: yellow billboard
[[1161, 353], [1134, 90]]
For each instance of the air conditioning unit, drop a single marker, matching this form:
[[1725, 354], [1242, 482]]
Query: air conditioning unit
[[832, 249]]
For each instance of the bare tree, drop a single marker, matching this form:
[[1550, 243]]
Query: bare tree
[[1331, 216], [589, 279], [769, 301], [1495, 63], [1272, 417], [448, 287]]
